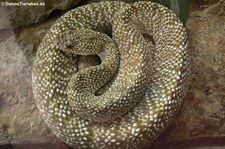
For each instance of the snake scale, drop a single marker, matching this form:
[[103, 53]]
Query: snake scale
[[135, 90]]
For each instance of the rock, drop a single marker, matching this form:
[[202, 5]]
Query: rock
[[26, 13], [201, 121], [29, 42], [4, 21]]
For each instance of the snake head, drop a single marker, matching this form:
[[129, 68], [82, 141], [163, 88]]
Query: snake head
[[68, 40], [81, 41]]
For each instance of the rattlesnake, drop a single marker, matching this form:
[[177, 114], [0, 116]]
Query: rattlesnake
[[95, 107]]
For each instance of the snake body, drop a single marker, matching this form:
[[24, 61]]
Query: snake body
[[134, 105]]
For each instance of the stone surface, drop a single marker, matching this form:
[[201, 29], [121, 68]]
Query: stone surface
[[22, 14], [29, 41], [201, 121]]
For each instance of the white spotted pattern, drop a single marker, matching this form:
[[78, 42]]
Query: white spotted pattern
[[141, 83]]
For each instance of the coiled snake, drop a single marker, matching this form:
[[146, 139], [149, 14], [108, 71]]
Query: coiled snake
[[129, 97]]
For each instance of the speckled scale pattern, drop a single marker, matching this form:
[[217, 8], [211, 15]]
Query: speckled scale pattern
[[143, 96]]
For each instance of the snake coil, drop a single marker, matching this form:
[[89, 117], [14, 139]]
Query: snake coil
[[132, 95]]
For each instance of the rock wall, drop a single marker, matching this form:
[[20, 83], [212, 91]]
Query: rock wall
[[201, 121]]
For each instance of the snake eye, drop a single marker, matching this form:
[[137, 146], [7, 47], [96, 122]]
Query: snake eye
[[69, 46], [149, 38]]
